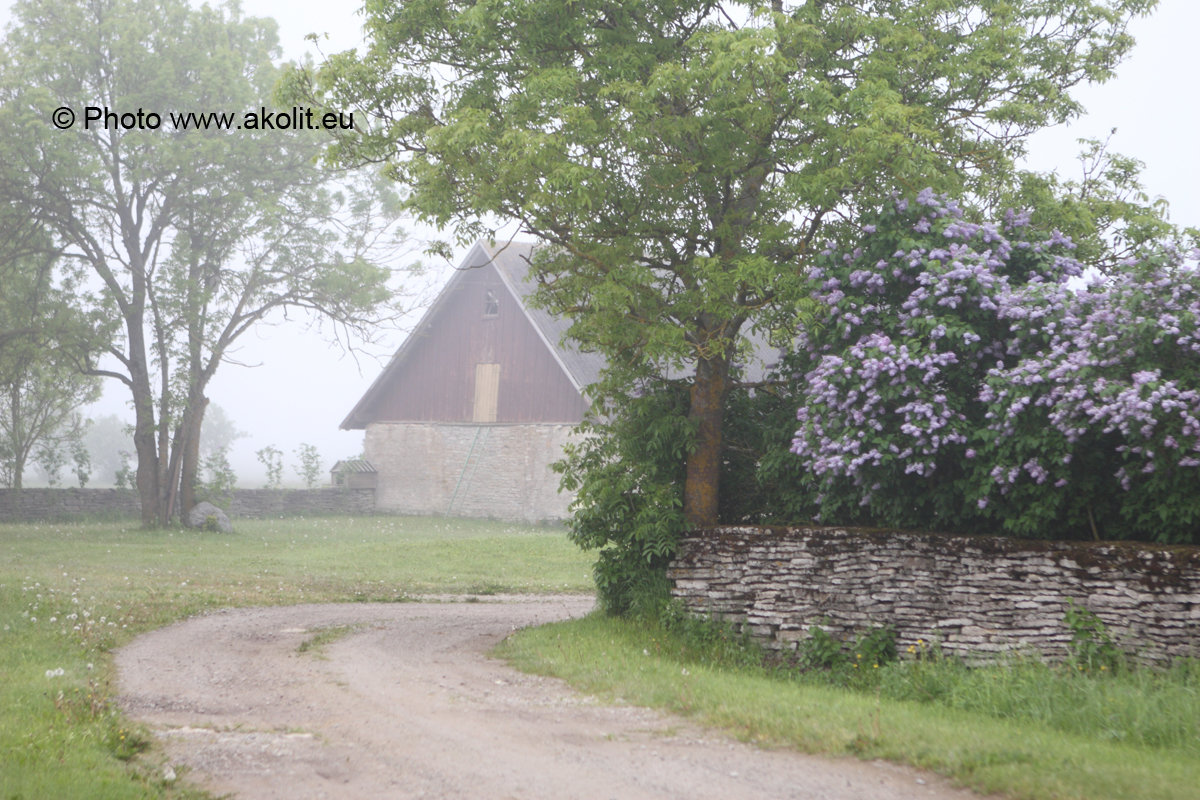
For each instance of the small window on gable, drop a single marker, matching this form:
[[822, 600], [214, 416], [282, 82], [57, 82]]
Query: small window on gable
[[491, 305]]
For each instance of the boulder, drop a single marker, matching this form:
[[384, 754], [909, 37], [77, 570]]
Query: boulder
[[208, 517]]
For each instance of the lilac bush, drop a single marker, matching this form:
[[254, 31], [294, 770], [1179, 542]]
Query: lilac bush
[[1102, 424], [959, 380]]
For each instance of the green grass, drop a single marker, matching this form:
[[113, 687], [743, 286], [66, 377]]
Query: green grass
[[72, 592], [1026, 730], [315, 644]]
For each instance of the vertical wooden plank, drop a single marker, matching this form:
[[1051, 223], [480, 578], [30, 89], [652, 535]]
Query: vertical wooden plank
[[487, 390]]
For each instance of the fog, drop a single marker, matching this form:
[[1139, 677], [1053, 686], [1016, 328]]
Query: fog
[[300, 385]]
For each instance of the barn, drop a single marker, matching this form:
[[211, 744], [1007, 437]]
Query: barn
[[479, 400]]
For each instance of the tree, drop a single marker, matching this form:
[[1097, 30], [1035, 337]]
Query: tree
[[220, 432], [1097, 431], [54, 453], [683, 158], [38, 412], [219, 478], [108, 444], [41, 386], [188, 234], [1105, 210], [309, 466], [271, 457]]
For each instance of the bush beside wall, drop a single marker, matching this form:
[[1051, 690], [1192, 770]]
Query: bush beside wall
[[979, 596]]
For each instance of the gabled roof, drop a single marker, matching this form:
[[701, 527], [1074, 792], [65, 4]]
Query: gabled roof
[[582, 368], [511, 262]]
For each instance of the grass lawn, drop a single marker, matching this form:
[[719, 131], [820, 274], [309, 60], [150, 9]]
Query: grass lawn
[[71, 592], [1027, 730]]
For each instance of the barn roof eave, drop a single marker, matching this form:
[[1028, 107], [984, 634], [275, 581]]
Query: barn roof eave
[[358, 418]]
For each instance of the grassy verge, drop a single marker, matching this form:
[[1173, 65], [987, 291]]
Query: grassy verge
[[1026, 731], [315, 644], [70, 593]]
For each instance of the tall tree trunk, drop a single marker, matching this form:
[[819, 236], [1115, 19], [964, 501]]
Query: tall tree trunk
[[20, 453], [701, 490], [145, 446], [192, 426], [145, 442], [167, 486], [18, 475]]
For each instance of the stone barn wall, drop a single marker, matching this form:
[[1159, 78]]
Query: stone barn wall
[[979, 596], [496, 470]]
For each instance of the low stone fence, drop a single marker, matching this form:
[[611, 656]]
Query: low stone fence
[[57, 504], [262, 503], [978, 596], [34, 505]]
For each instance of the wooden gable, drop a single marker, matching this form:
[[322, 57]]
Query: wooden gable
[[476, 356]]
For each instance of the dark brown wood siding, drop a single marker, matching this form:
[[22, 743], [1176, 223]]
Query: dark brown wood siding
[[436, 380]]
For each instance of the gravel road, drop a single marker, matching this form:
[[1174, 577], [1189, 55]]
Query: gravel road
[[408, 705]]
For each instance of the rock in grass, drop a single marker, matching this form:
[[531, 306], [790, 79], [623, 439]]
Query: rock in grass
[[208, 517]]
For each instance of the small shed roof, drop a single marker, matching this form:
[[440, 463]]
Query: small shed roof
[[352, 465]]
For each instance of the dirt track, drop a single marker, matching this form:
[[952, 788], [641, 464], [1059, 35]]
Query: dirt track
[[408, 705]]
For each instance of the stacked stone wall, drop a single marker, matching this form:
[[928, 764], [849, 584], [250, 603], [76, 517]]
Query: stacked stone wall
[[57, 504], [977, 596], [31, 505], [265, 503]]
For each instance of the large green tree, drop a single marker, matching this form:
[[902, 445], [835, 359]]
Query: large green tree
[[685, 159], [109, 446], [189, 237], [44, 339]]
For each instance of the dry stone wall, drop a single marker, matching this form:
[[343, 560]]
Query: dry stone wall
[[56, 504], [49, 504], [264, 503], [977, 596]]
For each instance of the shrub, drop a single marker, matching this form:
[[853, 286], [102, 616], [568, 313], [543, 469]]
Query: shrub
[[1092, 646], [627, 470], [959, 380], [1100, 426], [309, 469], [271, 457], [820, 651], [219, 481], [889, 399]]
